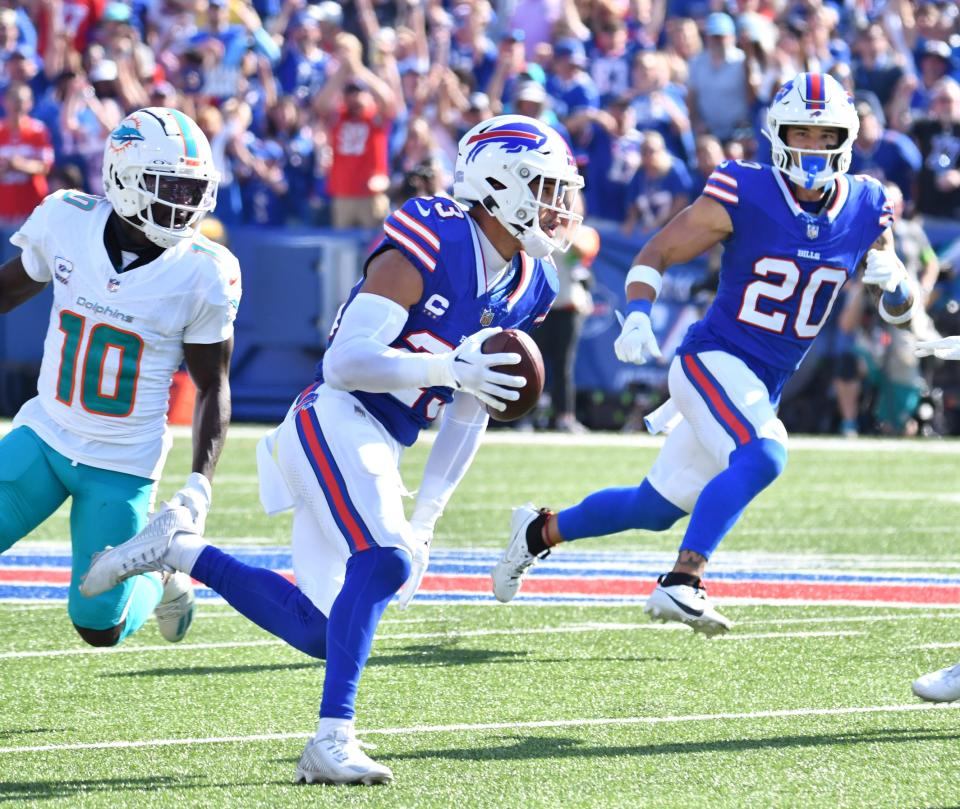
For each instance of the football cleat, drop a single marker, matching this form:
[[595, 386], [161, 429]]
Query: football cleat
[[142, 554], [939, 686], [508, 572], [688, 605], [175, 611], [338, 759]]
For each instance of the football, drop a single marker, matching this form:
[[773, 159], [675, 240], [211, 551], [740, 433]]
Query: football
[[530, 367]]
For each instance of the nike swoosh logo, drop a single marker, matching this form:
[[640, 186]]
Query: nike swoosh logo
[[684, 607], [423, 211]]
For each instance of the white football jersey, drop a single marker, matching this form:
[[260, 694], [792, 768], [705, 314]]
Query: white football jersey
[[116, 339]]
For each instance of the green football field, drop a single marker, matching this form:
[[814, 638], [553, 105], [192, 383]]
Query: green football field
[[568, 697]]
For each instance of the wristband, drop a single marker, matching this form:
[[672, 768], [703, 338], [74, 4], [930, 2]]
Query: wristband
[[639, 305], [642, 274]]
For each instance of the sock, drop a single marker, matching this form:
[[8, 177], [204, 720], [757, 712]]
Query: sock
[[185, 550], [145, 594], [611, 511], [753, 467], [373, 576], [266, 598], [537, 540], [330, 725], [670, 579]]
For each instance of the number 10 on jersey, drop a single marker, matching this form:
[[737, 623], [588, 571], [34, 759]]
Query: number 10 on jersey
[[109, 370]]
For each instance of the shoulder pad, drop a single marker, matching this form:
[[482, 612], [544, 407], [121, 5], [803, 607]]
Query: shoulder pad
[[419, 224]]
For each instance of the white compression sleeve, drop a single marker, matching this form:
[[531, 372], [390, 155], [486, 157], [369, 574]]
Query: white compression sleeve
[[457, 441], [360, 357]]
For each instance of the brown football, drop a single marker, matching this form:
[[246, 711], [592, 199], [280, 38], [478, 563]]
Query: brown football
[[530, 367]]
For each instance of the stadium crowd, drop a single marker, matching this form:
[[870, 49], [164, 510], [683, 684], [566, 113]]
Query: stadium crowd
[[326, 113]]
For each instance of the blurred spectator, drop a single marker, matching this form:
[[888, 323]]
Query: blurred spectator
[[286, 128], [683, 44], [26, 156], [660, 189], [709, 155], [875, 66], [608, 144], [511, 68], [558, 334], [222, 46], [423, 180], [531, 99], [471, 49], [85, 121], [420, 148], [536, 19], [569, 85], [938, 137], [10, 43], [884, 154], [478, 109], [934, 62], [359, 107], [264, 188], [64, 178], [610, 60], [303, 64], [719, 101], [68, 20], [658, 104]]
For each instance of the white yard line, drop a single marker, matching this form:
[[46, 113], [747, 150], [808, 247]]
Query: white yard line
[[473, 633], [487, 726]]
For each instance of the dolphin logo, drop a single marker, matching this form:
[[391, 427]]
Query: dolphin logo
[[126, 134]]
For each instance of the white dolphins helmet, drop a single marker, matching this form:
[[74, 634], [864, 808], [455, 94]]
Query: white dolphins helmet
[[506, 164], [812, 99], [158, 174]]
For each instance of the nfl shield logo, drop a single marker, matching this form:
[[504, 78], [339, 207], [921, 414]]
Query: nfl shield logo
[[113, 285], [486, 317], [813, 230]]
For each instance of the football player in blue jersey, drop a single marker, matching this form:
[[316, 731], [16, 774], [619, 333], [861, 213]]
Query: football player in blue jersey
[[793, 233], [407, 343], [942, 685]]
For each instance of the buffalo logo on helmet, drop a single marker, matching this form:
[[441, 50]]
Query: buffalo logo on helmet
[[513, 137]]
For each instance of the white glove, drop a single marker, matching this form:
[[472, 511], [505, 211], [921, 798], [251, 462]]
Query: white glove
[[471, 370], [194, 497], [422, 534], [947, 348], [884, 269], [636, 342]]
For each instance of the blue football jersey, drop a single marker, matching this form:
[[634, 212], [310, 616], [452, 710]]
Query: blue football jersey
[[783, 267], [442, 242]]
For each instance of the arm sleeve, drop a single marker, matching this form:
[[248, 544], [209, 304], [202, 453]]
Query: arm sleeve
[[464, 423], [361, 358]]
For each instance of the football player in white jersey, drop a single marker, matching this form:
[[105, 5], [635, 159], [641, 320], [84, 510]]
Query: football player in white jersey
[[407, 342], [136, 290], [942, 685]]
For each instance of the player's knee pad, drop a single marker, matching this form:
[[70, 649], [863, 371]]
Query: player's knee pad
[[100, 637], [760, 462]]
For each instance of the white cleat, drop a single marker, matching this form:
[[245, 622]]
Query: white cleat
[[508, 572], [142, 554], [939, 686], [175, 611], [689, 605], [338, 759]]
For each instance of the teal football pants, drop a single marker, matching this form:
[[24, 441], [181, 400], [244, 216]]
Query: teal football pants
[[108, 508]]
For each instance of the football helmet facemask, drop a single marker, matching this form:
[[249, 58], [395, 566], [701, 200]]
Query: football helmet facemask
[[812, 99], [158, 174], [523, 174]]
